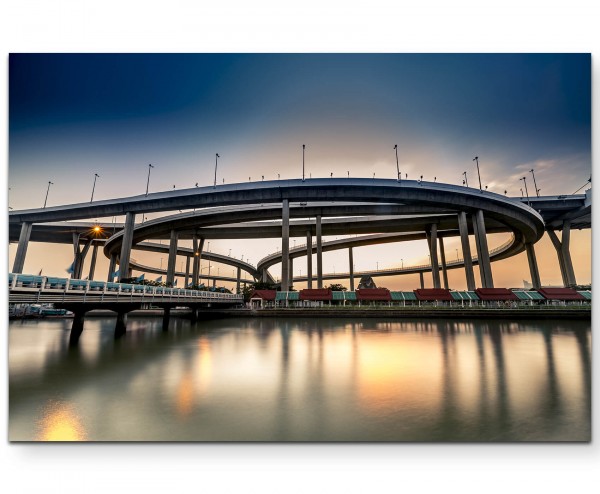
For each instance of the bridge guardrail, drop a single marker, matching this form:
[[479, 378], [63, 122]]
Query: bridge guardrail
[[59, 289]]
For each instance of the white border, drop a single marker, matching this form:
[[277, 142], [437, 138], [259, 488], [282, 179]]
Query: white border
[[307, 26]]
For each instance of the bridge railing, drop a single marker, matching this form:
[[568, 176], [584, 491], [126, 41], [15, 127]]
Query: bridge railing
[[59, 288]]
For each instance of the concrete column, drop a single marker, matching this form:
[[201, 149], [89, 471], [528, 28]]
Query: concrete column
[[291, 275], [561, 263], [422, 279], [351, 268], [435, 268], [319, 254], [466, 250], [483, 254], [308, 259], [187, 272], [533, 267], [566, 252], [264, 276], [93, 263], [172, 257], [285, 245], [76, 327], [166, 318], [239, 277], [214, 282], [120, 325], [79, 257], [197, 257], [22, 247], [126, 245], [443, 261], [112, 264]]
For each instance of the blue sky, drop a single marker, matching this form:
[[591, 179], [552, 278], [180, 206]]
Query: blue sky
[[74, 115]]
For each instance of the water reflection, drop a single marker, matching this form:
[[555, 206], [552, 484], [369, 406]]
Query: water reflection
[[59, 422], [302, 380]]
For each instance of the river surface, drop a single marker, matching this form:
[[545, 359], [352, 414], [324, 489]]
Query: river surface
[[301, 380]]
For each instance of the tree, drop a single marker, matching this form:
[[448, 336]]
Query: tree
[[337, 287]]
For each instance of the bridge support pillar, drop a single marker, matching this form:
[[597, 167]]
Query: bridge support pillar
[[319, 253], [239, 277], [166, 318], [285, 245], [197, 246], [79, 256], [186, 281], [76, 327], [112, 264], [483, 255], [533, 266], [564, 254], [466, 250], [308, 259], [121, 325], [351, 268], [435, 268], [172, 258], [264, 276], [22, 247], [443, 261], [291, 273], [422, 279], [126, 245], [93, 263]]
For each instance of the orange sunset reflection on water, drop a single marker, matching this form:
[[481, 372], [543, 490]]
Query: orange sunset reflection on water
[[194, 382], [392, 372], [60, 422]]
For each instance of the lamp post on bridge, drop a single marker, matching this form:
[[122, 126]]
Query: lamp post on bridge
[[94, 186], [476, 160], [216, 163], [303, 148], [537, 191], [148, 181], [399, 176], [47, 190], [465, 181], [526, 192]]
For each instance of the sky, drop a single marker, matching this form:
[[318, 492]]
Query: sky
[[74, 115]]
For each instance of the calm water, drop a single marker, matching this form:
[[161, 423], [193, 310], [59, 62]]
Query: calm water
[[301, 380]]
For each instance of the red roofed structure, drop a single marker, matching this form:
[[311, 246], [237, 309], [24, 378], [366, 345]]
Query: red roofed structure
[[560, 294], [374, 294], [433, 294], [316, 294], [264, 294], [495, 294]]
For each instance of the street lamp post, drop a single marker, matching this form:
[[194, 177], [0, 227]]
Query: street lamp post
[[399, 177], [47, 190], [303, 147], [94, 186], [466, 181], [216, 163], [537, 191], [148, 181], [526, 192], [402, 261], [476, 160], [456, 255]]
